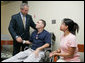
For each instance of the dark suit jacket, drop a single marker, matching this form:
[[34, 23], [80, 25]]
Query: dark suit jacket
[[16, 27]]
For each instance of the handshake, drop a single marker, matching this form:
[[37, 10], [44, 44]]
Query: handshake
[[19, 39], [26, 42]]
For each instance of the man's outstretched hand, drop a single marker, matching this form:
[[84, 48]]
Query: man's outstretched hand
[[19, 39], [27, 42]]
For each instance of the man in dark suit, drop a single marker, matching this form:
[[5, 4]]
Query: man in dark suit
[[19, 28]]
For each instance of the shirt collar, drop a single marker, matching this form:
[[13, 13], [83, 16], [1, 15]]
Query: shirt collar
[[40, 32], [21, 14]]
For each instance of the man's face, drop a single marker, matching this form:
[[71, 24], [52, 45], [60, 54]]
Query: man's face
[[39, 25], [25, 10]]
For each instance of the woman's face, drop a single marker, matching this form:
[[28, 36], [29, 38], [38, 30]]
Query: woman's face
[[63, 27]]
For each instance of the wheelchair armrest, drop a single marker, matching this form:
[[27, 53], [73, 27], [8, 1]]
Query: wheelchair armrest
[[48, 49], [27, 47]]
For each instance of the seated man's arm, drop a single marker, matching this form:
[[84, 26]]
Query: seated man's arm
[[28, 42], [44, 46], [47, 41], [41, 48]]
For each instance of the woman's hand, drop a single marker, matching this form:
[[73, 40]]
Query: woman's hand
[[58, 51], [54, 52], [51, 54]]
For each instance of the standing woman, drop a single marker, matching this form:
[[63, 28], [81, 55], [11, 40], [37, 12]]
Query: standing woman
[[68, 50]]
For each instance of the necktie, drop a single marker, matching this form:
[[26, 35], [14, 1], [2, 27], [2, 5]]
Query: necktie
[[24, 21]]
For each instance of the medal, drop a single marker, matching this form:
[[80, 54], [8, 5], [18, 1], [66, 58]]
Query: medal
[[36, 36]]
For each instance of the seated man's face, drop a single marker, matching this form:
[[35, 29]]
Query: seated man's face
[[39, 25]]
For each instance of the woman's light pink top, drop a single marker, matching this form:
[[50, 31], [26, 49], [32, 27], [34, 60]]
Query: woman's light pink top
[[65, 43]]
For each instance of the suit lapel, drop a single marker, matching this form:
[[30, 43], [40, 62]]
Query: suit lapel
[[20, 21], [27, 22]]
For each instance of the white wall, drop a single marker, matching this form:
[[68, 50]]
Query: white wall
[[58, 10], [47, 10], [7, 10]]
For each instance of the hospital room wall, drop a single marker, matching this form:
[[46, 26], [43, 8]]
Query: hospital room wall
[[50, 10], [47, 10], [7, 10]]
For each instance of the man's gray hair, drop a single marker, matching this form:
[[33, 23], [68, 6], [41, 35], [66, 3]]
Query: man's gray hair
[[22, 5]]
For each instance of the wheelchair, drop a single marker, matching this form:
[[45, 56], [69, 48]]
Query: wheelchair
[[48, 50], [46, 58]]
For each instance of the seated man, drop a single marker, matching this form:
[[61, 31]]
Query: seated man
[[40, 40]]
